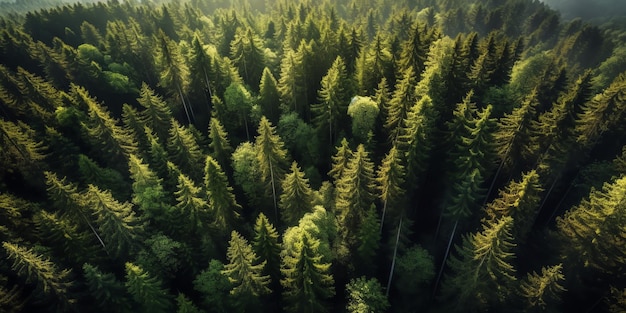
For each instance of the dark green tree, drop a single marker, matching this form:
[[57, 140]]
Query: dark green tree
[[156, 113], [269, 96], [184, 150], [333, 99], [297, 197], [146, 290], [390, 179], [222, 203], [366, 295], [219, 142], [214, 287], [108, 292], [272, 158]]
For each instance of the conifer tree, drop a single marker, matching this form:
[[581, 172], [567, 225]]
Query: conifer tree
[[340, 161], [157, 155], [369, 240], [184, 150], [156, 113], [265, 245], [291, 92], [542, 290], [365, 295], [415, 50], [333, 99], [37, 268], [185, 305], [245, 273], [269, 96], [297, 197], [222, 201], [355, 193], [307, 281], [220, 144], [592, 230], [520, 200], [148, 193], [481, 272], [102, 129], [272, 158], [174, 71], [108, 292], [20, 149], [601, 113], [201, 69], [247, 53], [103, 177], [192, 208], [117, 224], [67, 239], [402, 100], [390, 179], [146, 290]]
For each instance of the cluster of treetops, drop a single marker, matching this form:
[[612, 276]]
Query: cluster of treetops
[[313, 156]]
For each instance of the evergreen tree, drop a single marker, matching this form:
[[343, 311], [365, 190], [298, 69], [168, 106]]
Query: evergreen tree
[[333, 100], [148, 193], [369, 240], [38, 269], [214, 287], [307, 281], [146, 290], [542, 290], [247, 53], [185, 305], [184, 150], [66, 238], [482, 272], [108, 292], [592, 231], [389, 179], [118, 226], [192, 208], [269, 96], [520, 200], [402, 100], [355, 193], [200, 71], [103, 177], [156, 114], [272, 158], [297, 197], [366, 295], [265, 245], [291, 92], [245, 273], [222, 201], [340, 161], [220, 145]]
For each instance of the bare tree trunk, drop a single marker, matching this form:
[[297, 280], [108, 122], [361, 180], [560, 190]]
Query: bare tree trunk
[[393, 262], [445, 257]]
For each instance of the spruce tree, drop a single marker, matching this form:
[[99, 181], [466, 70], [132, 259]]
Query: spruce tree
[[333, 100], [245, 273], [191, 205], [297, 196], [247, 53], [307, 281], [402, 100], [220, 144], [108, 292], [265, 245], [148, 193], [269, 96], [146, 290], [366, 295], [482, 273], [340, 161], [390, 179], [174, 71], [184, 150], [37, 268], [156, 114], [541, 291], [222, 203], [272, 158]]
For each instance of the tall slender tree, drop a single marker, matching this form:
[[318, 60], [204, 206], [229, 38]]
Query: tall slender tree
[[272, 158], [297, 196], [222, 203]]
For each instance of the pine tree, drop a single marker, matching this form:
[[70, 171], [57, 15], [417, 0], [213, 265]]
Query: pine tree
[[117, 224], [201, 71], [519, 200], [602, 113], [191, 206], [369, 240], [297, 196], [214, 287], [402, 100], [245, 273], [291, 92], [340, 161], [390, 179], [103, 177], [185, 305], [269, 96], [482, 274], [307, 281], [415, 49], [157, 155], [146, 290], [108, 292], [272, 158], [333, 100], [542, 290], [68, 240], [222, 201], [184, 150], [38, 269], [148, 193], [134, 126], [266, 246], [103, 130], [592, 230], [220, 145], [247, 53], [65, 198], [20, 151], [355, 193], [156, 114], [174, 71]]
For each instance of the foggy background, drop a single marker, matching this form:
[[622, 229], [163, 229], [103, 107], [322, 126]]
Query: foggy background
[[589, 9]]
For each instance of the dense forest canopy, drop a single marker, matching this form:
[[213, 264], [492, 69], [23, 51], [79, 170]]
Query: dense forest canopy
[[311, 156]]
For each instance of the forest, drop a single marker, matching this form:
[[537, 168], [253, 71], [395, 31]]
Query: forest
[[311, 156]]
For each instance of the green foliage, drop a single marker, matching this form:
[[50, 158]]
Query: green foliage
[[307, 281], [297, 197], [265, 245], [272, 158], [185, 305], [103, 177], [220, 144], [364, 113], [245, 273], [542, 290], [184, 150], [192, 208], [38, 269], [415, 266], [269, 97], [333, 97], [146, 290], [222, 203], [108, 292], [366, 296], [214, 287]]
